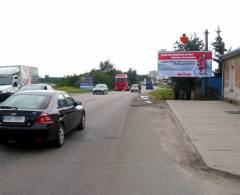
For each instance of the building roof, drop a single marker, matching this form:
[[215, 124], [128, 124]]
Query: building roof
[[231, 53]]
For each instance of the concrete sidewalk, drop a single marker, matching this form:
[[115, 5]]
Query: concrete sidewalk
[[214, 132]]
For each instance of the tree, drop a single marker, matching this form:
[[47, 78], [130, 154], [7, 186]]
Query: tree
[[102, 77], [106, 66], [181, 83], [132, 76], [219, 50], [193, 44]]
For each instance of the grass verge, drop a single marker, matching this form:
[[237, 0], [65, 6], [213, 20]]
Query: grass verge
[[69, 89], [163, 93]]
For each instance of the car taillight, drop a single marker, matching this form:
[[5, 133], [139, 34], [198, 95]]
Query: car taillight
[[44, 118]]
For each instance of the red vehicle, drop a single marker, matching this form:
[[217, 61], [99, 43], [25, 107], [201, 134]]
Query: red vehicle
[[121, 82]]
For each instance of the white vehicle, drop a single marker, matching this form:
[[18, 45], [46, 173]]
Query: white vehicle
[[100, 89], [12, 78], [134, 88]]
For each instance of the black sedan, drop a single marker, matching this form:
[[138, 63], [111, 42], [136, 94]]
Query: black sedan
[[40, 116]]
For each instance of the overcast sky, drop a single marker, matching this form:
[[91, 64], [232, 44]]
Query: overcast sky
[[73, 36]]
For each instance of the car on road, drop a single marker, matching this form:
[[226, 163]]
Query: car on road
[[39, 86], [40, 116], [100, 89], [134, 88]]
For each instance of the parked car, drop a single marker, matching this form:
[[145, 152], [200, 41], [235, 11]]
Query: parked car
[[134, 88], [100, 89], [40, 116], [40, 86]]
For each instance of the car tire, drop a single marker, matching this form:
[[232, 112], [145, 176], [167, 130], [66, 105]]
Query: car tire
[[82, 123], [60, 136]]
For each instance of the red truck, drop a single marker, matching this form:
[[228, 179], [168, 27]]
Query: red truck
[[121, 82]]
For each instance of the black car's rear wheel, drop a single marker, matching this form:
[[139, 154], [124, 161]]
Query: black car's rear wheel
[[82, 123], [60, 136]]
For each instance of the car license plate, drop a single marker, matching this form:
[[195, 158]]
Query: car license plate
[[13, 119]]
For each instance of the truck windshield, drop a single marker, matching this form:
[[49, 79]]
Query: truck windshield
[[120, 79], [6, 80]]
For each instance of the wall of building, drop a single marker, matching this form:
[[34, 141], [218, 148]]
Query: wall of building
[[232, 79]]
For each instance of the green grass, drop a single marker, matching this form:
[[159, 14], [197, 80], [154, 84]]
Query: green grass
[[163, 93], [71, 89]]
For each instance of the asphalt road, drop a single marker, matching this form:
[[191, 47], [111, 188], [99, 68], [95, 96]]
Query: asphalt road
[[129, 147]]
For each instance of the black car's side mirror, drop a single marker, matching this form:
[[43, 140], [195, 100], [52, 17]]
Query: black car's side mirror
[[78, 103]]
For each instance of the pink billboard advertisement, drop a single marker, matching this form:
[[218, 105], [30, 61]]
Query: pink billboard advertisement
[[185, 64]]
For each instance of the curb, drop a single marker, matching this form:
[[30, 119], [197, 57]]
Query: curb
[[198, 148]]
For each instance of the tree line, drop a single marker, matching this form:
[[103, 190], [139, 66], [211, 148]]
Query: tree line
[[104, 74]]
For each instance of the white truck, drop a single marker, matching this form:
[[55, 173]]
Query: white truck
[[12, 78]]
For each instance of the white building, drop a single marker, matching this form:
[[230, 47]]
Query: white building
[[153, 74]]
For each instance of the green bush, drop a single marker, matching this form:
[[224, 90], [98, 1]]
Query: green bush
[[69, 89], [163, 94]]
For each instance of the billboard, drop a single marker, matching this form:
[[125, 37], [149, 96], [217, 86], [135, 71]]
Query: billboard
[[87, 82], [185, 64]]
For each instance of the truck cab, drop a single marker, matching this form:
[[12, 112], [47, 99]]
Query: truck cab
[[14, 77], [149, 85], [8, 82], [121, 82]]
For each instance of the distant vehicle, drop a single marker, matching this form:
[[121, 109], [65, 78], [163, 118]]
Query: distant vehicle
[[135, 88], [121, 82], [149, 84], [40, 86], [14, 77], [40, 116], [100, 89], [139, 86]]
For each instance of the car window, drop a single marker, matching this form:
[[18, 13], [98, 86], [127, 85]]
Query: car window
[[62, 102], [34, 101], [69, 100], [100, 86]]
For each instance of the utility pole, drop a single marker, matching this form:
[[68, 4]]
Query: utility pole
[[205, 80], [206, 40]]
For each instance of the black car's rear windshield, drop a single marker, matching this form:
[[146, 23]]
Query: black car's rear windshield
[[28, 101]]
